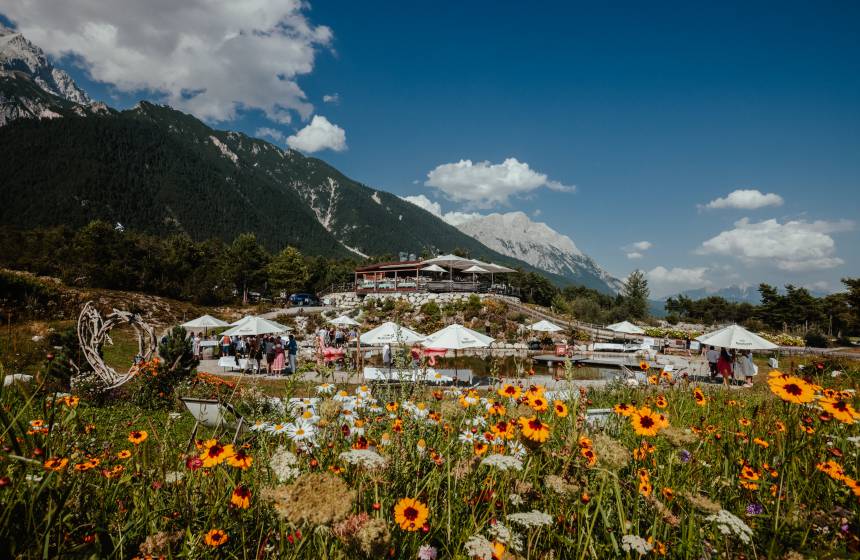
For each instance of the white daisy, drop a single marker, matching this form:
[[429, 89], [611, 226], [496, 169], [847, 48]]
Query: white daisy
[[277, 428], [517, 449], [467, 436], [326, 389], [300, 430], [260, 426], [362, 391]]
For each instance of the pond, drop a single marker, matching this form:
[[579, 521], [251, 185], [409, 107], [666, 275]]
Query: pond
[[509, 366]]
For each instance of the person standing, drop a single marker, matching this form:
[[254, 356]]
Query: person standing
[[195, 344], [744, 368], [278, 365], [292, 353], [713, 357], [225, 345], [724, 366], [386, 355], [270, 353]]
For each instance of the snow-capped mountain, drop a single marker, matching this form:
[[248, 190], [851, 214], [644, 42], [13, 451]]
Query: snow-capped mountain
[[516, 235], [19, 54]]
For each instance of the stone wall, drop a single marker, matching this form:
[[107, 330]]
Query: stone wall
[[351, 300]]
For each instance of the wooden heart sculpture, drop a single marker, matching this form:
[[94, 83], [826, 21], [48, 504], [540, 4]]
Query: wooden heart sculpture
[[94, 332]]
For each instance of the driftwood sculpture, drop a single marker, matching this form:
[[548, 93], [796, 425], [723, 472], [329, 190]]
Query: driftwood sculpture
[[94, 331]]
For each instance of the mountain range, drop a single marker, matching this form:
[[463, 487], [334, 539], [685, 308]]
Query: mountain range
[[69, 160]]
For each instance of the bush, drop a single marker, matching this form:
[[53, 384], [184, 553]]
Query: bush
[[816, 339], [158, 379]]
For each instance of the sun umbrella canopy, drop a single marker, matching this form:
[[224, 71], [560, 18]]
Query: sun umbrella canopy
[[253, 326], [433, 268], [344, 321], [457, 337], [625, 327], [205, 322], [476, 269], [737, 337], [240, 321], [390, 333], [545, 326]]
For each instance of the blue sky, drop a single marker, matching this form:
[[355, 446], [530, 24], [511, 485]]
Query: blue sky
[[649, 109]]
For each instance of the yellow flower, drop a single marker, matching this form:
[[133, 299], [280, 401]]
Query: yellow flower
[[124, 454], [560, 409], [214, 453], [480, 448], [538, 404], [137, 437], [410, 514], [216, 537], [840, 409], [792, 389], [241, 497], [760, 442], [699, 397], [535, 391], [510, 391], [647, 423], [534, 429], [624, 409], [661, 402], [643, 365]]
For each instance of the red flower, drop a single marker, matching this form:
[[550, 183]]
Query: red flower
[[194, 463]]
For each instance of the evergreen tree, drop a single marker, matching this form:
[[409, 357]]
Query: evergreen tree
[[636, 294], [288, 271]]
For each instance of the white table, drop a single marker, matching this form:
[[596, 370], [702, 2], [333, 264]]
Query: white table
[[229, 362]]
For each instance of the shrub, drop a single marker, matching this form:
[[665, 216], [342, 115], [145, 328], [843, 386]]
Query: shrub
[[816, 339], [157, 382]]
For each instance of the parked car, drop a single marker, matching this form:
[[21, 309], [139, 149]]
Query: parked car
[[304, 299]]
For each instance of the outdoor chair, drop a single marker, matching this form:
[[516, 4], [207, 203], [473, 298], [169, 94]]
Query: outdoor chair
[[211, 413]]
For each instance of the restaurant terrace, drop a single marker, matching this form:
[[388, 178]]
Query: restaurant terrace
[[447, 273]]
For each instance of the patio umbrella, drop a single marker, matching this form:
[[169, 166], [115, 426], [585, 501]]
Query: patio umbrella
[[205, 322], [625, 327], [736, 337], [545, 326], [344, 321], [457, 337], [433, 268], [240, 321], [390, 333], [253, 326], [475, 269]]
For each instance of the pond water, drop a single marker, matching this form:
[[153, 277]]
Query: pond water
[[509, 366]]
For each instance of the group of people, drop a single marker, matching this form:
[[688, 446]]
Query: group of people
[[737, 364], [336, 337], [280, 353]]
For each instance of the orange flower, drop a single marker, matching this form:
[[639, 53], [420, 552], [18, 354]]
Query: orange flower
[[792, 389], [510, 391], [699, 397], [56, 464], [560, 409], [504, 429], [749, 473], [215, 538], [124, 454], [624, 409], [538, 403], [241, 497], [746, 422], [535, 391], [534, 429], [410, 514], [643, 365], [761, 443], [214, 453], [647, 423], [832, 469], [391, 407], [645, 487], [668, 494], [661, 402], [497, 409], [137, 437], [840, 409], [480, 448], [653, 380], [240, 460]]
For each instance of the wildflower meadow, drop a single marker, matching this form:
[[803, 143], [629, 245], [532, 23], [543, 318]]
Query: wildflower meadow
[[515, 471]]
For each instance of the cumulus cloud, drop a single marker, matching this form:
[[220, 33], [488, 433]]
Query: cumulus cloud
[[320, 134], [484, 184], [208, 58], [641, 245], [334, 98], [635, 255], [270, 133], [745, 199], [453, 218], [792, 246], [665, 281]]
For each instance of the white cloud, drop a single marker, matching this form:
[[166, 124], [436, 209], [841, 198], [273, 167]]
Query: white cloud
[[635, 255], [642, 245], [320, 134], [665, 281], [207, 58], [484, 185], [333, 98], [536, 213], [271, 133], [793, 246], [746, 199], [453, 218]]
